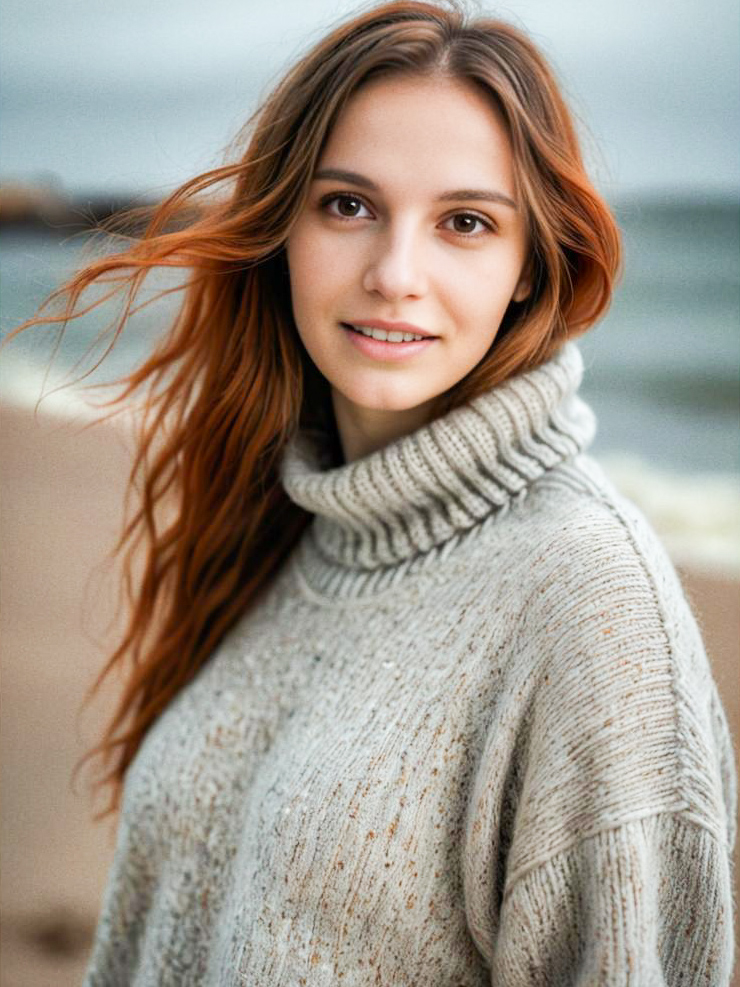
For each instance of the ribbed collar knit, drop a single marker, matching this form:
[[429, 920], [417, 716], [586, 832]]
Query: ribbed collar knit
[[447, 476]]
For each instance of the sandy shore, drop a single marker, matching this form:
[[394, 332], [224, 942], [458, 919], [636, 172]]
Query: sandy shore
[[61, 498], [61, 506]]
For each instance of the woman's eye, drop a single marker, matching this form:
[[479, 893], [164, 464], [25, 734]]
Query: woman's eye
[[348, 206], [465, 223], [345, 206]]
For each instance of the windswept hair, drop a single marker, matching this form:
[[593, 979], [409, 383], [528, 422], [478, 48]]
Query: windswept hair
[[230, 381]]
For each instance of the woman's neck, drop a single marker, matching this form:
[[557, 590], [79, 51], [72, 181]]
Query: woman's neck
[[365, 430]]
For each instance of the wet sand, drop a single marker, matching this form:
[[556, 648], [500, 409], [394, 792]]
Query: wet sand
[[61, 508]]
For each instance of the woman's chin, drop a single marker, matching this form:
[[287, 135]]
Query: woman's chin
[[372, 401]]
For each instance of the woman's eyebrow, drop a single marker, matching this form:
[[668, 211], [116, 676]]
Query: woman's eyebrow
[[354, 178]]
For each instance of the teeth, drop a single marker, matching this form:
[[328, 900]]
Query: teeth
[[390, 337]]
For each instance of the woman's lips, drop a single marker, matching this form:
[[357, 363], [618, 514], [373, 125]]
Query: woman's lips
[[382, 349]]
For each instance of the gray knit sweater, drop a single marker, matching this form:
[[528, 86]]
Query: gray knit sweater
[[470, 736]]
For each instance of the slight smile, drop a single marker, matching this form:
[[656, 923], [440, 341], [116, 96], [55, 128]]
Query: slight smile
[[386, 344], [381, 329]]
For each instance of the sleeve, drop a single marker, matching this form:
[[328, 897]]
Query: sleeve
[[605, 859], [647, 903]]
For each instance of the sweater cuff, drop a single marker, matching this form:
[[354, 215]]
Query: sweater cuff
[[646, 903]]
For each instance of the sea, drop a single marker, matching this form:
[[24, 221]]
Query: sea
[[662, 368]]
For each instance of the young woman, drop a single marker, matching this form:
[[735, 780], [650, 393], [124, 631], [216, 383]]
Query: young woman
[[415, 697]]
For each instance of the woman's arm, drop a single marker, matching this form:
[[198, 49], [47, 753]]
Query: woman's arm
[[615, 867]]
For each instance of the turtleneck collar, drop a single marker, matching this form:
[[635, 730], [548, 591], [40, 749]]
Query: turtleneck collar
[[442, 479]]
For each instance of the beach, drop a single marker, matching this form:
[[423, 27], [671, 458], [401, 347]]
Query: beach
[[61, 509]]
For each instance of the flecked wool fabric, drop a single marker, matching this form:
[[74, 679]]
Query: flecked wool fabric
[[469, 736]]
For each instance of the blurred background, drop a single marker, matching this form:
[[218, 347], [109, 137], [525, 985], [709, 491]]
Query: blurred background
[[111, 105]]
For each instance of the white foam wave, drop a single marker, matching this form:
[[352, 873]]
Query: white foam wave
[[696, 515], [24, 385]]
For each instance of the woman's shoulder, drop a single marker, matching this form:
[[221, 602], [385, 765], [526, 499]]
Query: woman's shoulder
[[594, 582], [625, 709], [605, 589], [579, 501], [591, 538]]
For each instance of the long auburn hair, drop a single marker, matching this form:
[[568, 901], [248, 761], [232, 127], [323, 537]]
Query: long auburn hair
[[230, 382]]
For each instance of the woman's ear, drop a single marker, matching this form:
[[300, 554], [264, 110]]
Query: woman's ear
[[524, 284]]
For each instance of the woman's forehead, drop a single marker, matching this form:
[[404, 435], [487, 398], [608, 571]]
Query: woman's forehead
[[436, 134]]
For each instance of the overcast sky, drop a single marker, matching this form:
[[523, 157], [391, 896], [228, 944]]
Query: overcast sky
[[141, 95]]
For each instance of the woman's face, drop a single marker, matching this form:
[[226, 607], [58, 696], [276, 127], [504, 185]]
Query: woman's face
[[411, 219]]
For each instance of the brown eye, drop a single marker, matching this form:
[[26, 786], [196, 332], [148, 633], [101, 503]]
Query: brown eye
[[344, 206], [466, 223], [347, 205]]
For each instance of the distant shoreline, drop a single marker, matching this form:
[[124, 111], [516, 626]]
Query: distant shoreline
[[47, 209], [50, 208]]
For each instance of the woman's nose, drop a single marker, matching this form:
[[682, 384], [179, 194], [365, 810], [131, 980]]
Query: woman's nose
[[396, 267]]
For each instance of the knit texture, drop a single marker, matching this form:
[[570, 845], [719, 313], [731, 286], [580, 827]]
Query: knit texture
[[469, 736]]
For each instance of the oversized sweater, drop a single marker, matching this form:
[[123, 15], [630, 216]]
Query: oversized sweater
[[469, 736]]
